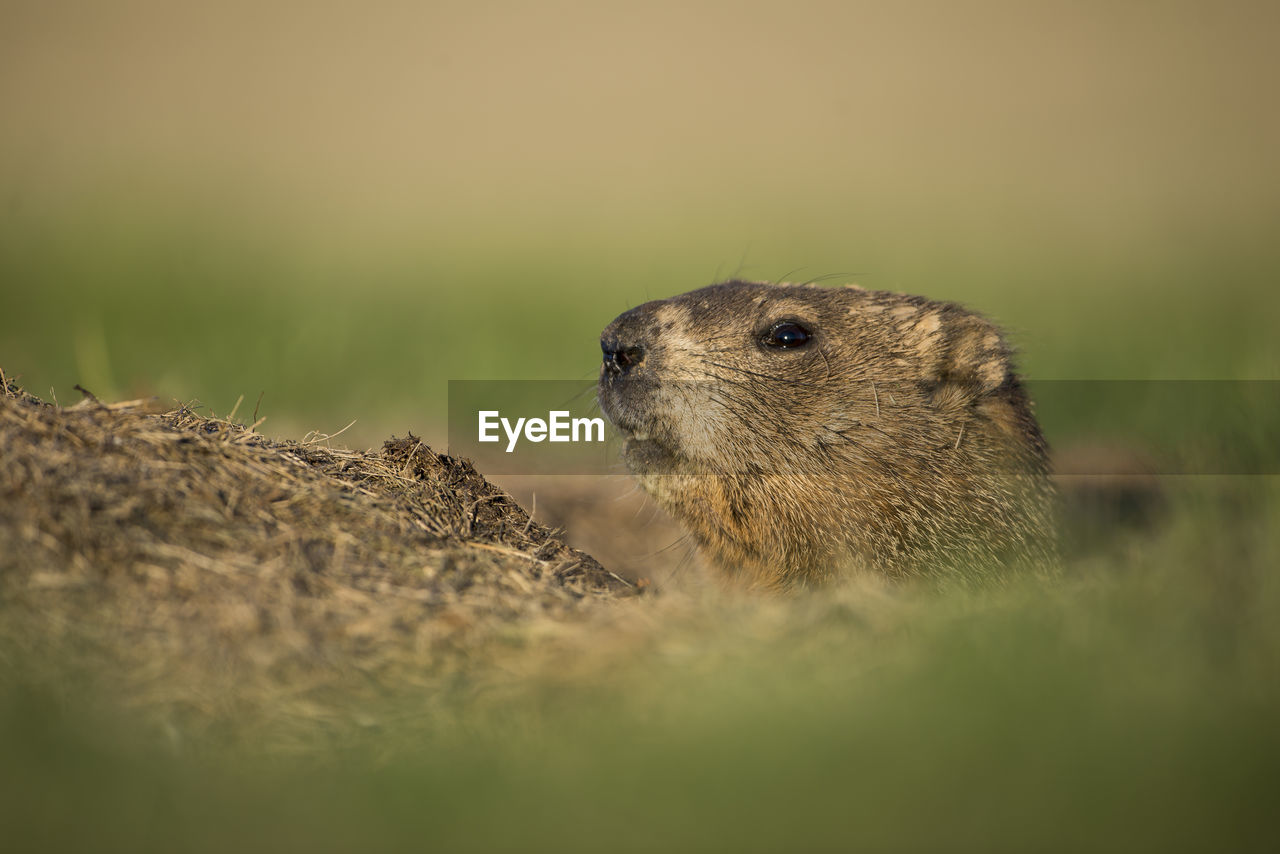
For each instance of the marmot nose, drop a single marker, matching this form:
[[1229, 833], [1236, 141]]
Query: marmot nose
[[620, 358]]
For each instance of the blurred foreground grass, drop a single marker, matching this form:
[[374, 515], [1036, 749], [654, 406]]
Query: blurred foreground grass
[[1130, 708]]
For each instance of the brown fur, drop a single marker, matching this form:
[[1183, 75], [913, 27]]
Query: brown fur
[[897, 440]]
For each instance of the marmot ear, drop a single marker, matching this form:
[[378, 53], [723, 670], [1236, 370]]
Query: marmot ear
[[963, 355]]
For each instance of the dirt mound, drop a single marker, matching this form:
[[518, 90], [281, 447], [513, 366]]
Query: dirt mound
[[183, 543]]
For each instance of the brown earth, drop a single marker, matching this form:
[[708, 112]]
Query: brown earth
[[198, 559]]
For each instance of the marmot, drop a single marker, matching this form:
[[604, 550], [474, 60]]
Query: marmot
[[802, 431]]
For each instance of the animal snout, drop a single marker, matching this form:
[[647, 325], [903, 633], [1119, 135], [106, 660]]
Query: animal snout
[[620, 357]]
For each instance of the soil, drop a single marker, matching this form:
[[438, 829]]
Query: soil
[[176, 543]]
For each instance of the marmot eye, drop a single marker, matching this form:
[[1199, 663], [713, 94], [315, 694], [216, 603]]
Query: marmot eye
[[785, 335]]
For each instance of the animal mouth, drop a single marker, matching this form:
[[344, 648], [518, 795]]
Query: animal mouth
[[623, 414], [643, 450], [648, 447], [648, 457], [639, 437]]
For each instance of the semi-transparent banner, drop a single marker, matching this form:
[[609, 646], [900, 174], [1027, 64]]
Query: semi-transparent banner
[[1094, 427]]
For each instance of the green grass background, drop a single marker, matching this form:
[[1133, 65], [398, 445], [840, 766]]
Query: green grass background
[[341, 210]]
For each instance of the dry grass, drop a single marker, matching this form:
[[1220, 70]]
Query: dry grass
[[220, 573]]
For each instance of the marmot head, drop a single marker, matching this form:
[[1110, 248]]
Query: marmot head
[[799, 430], [745, 377]]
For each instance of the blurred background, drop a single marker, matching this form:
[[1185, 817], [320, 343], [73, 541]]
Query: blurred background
[[342, 206]]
